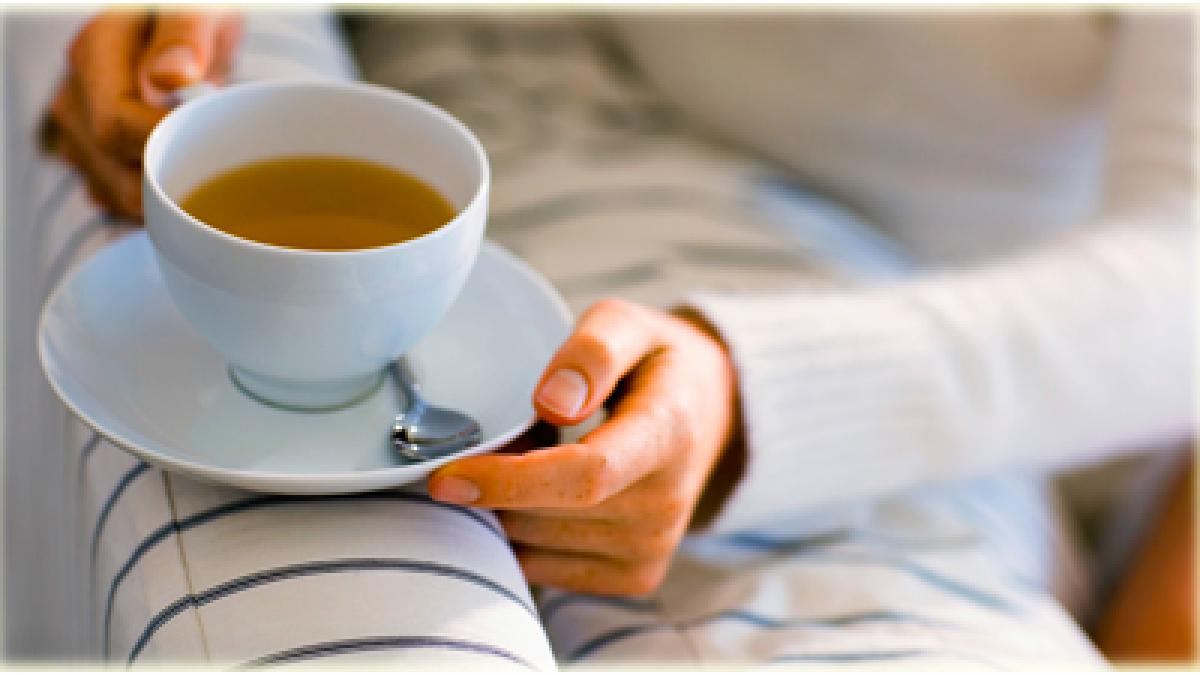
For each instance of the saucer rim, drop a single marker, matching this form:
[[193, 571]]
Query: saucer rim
[[288, 483]]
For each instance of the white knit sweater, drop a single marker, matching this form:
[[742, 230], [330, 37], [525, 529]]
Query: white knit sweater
[[1055, 155]]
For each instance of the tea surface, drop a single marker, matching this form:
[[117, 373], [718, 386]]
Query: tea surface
[[320, 203]]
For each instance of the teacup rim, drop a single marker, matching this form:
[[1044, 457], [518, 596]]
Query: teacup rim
[[171, 119]]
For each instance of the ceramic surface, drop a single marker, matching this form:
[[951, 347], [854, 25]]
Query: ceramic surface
[[311, 328], [119, 354]]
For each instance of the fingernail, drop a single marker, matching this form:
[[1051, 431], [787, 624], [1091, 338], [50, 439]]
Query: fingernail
[[564, 392], [175, 65], [455, 490]]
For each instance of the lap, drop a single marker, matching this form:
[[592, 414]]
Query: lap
[[952, 576], [186, 571]]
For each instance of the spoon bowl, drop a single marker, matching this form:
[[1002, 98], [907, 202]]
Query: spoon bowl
[[424, 431]]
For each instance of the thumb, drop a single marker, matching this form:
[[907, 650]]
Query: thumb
[[180, 52]]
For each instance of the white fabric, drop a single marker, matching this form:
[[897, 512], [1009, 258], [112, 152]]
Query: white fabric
[[607, 191], [187, 572], [964, 135], [1048, 357], [43, 566]]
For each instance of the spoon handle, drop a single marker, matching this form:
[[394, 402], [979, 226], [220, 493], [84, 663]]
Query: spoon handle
[[407, 383], [414, 405]]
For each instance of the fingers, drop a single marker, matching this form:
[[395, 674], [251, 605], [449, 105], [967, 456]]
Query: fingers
[[113, 184], [643, 433], [185, 48], [564, 475], [103, 57], [101, 113], [605, 515], [591, 574], [539, 435], [134, 122], [646, 428], [656, 499], [610, 339], [642, 541]]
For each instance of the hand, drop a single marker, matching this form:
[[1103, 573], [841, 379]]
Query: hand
[[121, 67], [605, 515]]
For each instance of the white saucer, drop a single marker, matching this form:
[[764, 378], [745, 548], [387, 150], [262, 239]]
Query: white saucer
[[123, 359]]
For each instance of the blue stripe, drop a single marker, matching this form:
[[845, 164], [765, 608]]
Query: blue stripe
[[306, 569], [138, 552], [372, 644], [85, 453], [744, 616], [882, 616], [159, 535], [851, 657], [762, 542], [955, 587], [551, 607], [613, 636], [938, 655], [937, 579], [122, 485]]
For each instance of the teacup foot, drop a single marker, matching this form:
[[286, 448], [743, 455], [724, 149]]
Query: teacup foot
[[305, 397]]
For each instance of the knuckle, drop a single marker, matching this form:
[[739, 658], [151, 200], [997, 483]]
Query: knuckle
[[597, 482], [674, 507], [658, 544], [597, 351], [105, 128], [615, 306], [131, 200], [515, 526], [646, 578], [126, 132], [672, 421]]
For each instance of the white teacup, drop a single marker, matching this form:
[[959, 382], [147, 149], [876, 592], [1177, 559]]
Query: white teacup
[[311, 329]]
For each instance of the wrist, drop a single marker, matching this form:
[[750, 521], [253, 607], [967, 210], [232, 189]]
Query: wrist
[[726, 468]]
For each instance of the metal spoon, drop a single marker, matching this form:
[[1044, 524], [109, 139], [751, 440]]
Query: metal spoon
[[424, 431]]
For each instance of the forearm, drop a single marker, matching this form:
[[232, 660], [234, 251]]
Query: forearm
[[1073, 349], [1048, 360]]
